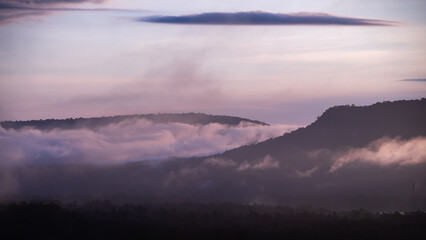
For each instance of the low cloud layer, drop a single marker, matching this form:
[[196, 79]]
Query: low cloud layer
[[127, 141], [385, 152], [265, 18], [272, 178]]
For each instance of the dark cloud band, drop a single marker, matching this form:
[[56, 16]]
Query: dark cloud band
[[414, 80], [264, 18], [31, 3], [14, 10]]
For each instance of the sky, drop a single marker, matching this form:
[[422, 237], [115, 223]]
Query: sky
[[275, 61]]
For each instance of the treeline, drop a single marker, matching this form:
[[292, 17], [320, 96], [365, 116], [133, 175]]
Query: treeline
[[103, 220], [97, 122]]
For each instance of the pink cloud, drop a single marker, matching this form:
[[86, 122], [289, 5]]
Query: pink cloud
[[127, 141], [385, 152]]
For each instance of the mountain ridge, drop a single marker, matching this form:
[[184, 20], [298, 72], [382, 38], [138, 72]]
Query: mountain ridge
[[405, 118], [97, 122], [297, 168]]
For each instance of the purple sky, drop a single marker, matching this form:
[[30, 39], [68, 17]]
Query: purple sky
[[58, 62]]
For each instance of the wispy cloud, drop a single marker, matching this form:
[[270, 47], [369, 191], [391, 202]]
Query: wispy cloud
[[306, 173], [266, 163], [28, 4], [12, 16], [385, 152], [15, 10], [414, 80], [220, 162], [265, 18]]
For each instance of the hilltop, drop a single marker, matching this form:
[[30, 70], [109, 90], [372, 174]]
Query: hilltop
[[97, 122]]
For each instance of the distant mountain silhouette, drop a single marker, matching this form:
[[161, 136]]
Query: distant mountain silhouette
[[293, 169], [340, 126], [97, 122]]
